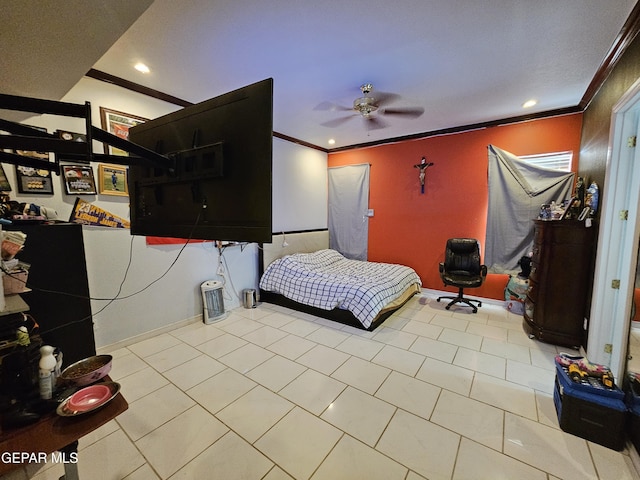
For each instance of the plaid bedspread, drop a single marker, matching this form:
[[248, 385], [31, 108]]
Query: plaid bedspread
[[327, 280]]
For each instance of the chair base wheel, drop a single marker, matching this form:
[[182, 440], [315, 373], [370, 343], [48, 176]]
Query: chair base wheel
[[460, 299]]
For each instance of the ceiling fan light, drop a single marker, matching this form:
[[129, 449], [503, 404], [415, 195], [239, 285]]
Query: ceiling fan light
[[366, 88], [365, 105]]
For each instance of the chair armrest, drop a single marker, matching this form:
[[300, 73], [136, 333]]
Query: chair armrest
[[441, 267], [483, 270]]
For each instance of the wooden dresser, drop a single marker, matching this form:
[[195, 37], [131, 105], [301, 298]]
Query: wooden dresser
[[561, 274]]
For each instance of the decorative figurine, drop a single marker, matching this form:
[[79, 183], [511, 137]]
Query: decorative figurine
[[423, 165], [580, 191], [593, 194]]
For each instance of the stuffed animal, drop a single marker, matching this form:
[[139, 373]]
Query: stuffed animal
[[10, 209], [516, 291], [33, 210]]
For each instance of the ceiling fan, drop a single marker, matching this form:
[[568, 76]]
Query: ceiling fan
[[370, 107]]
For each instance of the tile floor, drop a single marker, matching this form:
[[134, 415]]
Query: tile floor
[[274, 394]]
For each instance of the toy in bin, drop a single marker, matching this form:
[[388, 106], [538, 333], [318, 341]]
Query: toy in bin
[[581, 370]]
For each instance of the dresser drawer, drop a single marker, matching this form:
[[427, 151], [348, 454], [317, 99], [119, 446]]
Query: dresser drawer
[[532, 291], [536, 251], [529, 308], [535, 271], [538, 235]]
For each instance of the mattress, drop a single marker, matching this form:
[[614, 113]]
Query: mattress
[[327, 280]]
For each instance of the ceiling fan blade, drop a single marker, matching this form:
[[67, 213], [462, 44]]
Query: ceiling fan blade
[[331, 107], [413, 112], [336, 122], [374, 123], [383, 98]]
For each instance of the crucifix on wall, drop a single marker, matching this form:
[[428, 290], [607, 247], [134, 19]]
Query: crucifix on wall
[[423, 165]]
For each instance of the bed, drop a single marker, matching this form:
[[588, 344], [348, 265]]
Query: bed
[[299, 271]]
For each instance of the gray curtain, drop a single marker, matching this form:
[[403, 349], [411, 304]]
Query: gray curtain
[[348, 204], [517, 189]]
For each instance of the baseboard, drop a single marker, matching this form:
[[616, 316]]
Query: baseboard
[[146, 335]]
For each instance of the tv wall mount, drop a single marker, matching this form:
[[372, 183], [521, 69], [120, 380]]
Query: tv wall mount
[[24, 137]]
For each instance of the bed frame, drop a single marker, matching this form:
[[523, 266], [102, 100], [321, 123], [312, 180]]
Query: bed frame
[[308, 242]]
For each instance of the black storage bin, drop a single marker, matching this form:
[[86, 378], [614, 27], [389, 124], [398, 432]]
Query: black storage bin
[[632, 399], [595, 414]]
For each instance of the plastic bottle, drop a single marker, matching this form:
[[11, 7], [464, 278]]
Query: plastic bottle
[[58, 370], [47, 367]]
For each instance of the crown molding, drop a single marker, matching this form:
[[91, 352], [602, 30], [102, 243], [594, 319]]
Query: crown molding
[[627, 35]]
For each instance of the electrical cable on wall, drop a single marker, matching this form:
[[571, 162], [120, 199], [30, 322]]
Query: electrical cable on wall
[[110, 300], [221, 271]]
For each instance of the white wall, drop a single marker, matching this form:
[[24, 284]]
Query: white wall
[[299, 187], [165, 298]]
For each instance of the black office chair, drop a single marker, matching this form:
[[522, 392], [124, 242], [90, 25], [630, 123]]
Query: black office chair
[[462, 268]]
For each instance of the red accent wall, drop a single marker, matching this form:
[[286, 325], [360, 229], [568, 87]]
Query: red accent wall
[[412, 228]]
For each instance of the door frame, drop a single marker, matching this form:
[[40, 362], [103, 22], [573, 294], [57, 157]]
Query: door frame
[[617, 240]]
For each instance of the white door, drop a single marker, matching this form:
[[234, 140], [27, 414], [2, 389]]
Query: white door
[[618, 240], [348, 207]]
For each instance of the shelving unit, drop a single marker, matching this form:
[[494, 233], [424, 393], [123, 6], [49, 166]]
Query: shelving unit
[[59, 296]]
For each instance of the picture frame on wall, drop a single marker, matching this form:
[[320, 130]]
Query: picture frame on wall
[[72, 136], [112, 180], [5, 186], [33, 154], [34, 180], [118, 124], [78, 179]]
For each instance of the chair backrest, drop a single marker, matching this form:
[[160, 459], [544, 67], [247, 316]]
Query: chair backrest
[[462, 255]]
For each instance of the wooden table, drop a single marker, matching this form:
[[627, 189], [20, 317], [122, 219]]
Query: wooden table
[[55, 433]]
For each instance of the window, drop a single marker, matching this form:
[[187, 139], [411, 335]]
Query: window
[[554, 161]]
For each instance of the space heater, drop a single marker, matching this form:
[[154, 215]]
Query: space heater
[[212, 301]]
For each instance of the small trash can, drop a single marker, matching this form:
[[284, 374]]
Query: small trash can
[[249, 298]]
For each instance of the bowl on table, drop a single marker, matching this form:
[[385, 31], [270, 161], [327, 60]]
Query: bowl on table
[[89, 397], [87, 371]]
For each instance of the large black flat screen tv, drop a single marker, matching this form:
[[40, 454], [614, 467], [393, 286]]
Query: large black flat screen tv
[[220, 188]]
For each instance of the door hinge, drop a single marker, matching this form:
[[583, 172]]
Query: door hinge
[[624, 214], [608, 348], [615, 284], [631, 141]]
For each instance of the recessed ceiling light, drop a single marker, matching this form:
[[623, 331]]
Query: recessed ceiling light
[[529, 103], [141, 67], [331, 141]]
